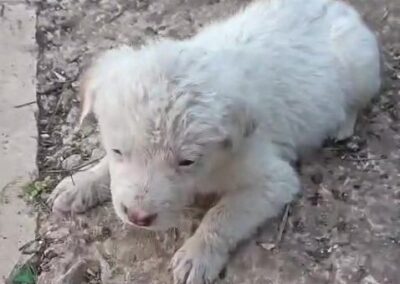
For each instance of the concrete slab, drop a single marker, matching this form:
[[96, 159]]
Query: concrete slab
[[17, 127]]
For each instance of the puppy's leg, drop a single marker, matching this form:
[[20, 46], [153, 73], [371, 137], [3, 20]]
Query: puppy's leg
[[346, 130], [232, 220], [83, 190]]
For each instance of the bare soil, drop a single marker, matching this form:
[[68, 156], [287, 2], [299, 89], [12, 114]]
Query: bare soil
[[345, 228]]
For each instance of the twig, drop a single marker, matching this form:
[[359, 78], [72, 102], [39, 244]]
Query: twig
[[118, 15], [385, 15], [58, 86], [2, 9], [72, 179], [25, 104], [334, 149], [332, 274], [53, 116], [81, 166], [388, 66], [282, 225], [3, 197], [27, 244], [105, 265], [75, 169], [44, 204], [363, 159], [51, 90]]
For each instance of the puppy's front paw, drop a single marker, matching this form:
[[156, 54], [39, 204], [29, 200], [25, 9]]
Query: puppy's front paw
[[197, 262], [78, 193]]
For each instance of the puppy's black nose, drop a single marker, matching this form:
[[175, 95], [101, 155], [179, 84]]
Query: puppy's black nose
[[141, 218]]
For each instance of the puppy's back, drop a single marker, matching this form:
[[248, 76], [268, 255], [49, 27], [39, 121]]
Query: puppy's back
[[320, 28]]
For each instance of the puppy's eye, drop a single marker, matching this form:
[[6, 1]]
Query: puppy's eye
[[117, 152], [185, 163]]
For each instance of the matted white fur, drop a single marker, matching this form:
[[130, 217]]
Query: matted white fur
[[225, 111]]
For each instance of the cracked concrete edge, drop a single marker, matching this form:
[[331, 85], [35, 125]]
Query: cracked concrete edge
[[18, 131]]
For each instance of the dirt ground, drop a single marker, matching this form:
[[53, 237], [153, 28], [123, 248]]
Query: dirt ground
[[345, 228]]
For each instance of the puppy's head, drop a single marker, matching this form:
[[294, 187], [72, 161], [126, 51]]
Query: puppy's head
[[166, 136]]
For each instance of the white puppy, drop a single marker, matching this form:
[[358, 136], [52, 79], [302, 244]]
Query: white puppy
[[226, 111]]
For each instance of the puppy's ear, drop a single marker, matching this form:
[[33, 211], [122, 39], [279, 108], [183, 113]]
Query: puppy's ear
[[87, 94]]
